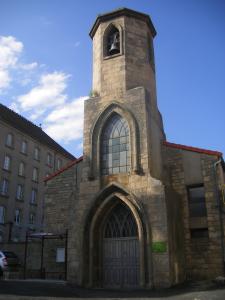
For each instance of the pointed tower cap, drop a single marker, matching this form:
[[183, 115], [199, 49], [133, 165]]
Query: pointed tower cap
[[122, 12]]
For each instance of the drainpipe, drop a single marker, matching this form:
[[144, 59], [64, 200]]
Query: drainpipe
[[221, 211]]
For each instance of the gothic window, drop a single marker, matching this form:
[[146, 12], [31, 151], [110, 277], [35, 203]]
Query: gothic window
[[120, 223], [112, 41], [115, 150]]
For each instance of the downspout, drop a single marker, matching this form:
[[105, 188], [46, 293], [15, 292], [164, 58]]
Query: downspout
[[221, 211]]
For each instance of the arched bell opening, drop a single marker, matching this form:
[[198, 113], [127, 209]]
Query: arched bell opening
[[116, 248], [112, 41]]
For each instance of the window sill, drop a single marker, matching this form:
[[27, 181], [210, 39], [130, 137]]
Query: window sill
[[4, 196], [22, 176], [6, 170], [23, 153], [37, 159], [49, 166], [112, 56], [34, 181], [33, 204], [10, 147], [19, 200]]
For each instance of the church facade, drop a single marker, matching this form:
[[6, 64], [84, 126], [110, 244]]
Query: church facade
[[140, 211]]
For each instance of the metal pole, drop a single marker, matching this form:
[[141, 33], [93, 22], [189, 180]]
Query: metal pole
[[42, 255], [25, 256], [10, 231], [66, 254]]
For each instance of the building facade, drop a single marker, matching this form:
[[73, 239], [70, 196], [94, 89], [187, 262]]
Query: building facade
[[27, 156], [140, 211]]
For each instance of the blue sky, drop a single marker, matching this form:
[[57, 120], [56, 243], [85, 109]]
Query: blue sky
[[46, 65]]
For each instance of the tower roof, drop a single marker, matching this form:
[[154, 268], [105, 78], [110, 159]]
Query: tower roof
[[122, 12]]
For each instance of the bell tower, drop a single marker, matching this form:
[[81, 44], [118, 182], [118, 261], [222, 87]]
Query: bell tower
[[124, 73], [123, 55]]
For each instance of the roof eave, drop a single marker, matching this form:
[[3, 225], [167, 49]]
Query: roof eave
[[122, 12]]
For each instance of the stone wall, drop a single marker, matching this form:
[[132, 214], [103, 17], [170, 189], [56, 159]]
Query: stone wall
[[203, 256]]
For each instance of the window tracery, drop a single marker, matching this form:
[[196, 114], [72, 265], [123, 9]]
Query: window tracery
[[115, 146]]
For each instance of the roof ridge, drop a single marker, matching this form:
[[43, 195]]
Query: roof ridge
[[68, 166], [193, 149]]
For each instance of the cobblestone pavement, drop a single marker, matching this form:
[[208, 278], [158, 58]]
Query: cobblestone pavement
[[49, 290]]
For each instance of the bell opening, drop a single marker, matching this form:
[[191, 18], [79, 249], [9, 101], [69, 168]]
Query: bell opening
[[113, 45]]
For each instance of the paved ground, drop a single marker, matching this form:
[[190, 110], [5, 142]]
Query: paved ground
[[49, 290]]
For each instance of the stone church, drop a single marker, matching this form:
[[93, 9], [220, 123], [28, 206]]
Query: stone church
[[141, 212]]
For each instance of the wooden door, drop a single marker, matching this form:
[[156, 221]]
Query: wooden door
[[120, 249]]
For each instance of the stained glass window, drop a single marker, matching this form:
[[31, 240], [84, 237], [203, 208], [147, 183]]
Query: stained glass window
[[115, 146]]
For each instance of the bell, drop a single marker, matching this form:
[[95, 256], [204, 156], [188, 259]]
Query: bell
[[114, 48]]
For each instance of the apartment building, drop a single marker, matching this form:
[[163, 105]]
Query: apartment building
[[27, 156]]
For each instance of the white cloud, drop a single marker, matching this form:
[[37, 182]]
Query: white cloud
[[47, 94], [28, 67], [65, 123], [10, 49]]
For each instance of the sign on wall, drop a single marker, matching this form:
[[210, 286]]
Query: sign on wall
[[159, 247], [60, 255]]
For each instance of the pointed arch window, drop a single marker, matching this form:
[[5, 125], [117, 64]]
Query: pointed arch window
[[115, 146]]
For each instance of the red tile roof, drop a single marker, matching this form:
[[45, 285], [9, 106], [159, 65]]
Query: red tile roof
[[194, 149], [64, 169]]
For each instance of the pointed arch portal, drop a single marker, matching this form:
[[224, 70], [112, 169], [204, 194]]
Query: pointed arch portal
[[116, 246], [120, 261]]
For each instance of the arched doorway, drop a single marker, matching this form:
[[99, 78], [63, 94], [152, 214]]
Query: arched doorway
[[120, 248]]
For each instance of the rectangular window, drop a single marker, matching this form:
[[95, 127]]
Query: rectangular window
[[199, 233], [2, 214], [19, 192], [35, 174], [59, 164], [49, 159], [9, 140], [33, 199], [4, 187], [21, 171], [197, 206], [60, 255], [24, 147], [36, 153], [31, 218], [7, 163], [17, 218]]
